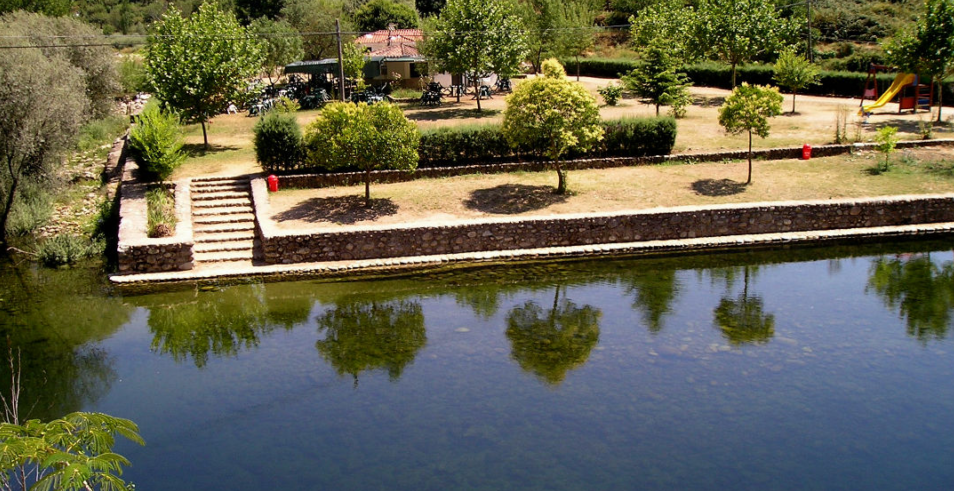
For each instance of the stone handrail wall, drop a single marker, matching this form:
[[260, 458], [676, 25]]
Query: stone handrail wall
[[309, 181], [281, 246], [137, 253]]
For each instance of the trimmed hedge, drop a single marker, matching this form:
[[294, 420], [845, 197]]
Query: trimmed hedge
[[713, 74], [628, 137]]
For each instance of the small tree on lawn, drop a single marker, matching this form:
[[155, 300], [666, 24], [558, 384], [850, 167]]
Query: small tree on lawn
[[364, 137], [198, 65], [657, 79], [887, 140], [554, 115], [748, 109], [795, 72]]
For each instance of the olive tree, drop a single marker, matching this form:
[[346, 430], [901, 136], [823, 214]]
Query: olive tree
[[747, 109], [553, 115], [477, 38], [200, 64], [795, 72], [43, 104], [362, 136]]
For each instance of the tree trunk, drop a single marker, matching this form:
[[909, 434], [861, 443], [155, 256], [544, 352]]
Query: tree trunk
[[6, 208], [733, 74], [561, 179], [749, 180], [940, 98], [657, 109], [477, 92], [793, 102], [578, 68], [367, 188], [205, 136]]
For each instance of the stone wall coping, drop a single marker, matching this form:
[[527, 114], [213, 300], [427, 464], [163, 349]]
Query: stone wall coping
[[269, 228]]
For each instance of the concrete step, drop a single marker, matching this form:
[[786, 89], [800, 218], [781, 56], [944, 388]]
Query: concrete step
[[211, 188], [222, 256], [244, 235], [205, 181], [219, 203], [222, 210], [203, 247], [214, 228], [219, 195], [232, 218]]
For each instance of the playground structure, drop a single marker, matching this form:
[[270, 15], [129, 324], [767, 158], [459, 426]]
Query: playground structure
[[907, 87]]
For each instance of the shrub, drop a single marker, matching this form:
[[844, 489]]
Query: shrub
[[31, 209], [611, 93], [61, 250], [278, 142], [132, 75], [161, 212], [157, 143], [637, 137], [99, 132], [887, 140]]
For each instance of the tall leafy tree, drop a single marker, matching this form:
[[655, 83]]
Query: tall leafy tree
[[43, 104], [282, 44], [575, 30], [314, 19], [476, 38], [669, 25], [45, 7], [365, 137], [429, 7], [747, 109], [198, 65], [739, 31], [378, 14], [795, 72], [554, 115], [540, 19], [248, 10], [929, 48]]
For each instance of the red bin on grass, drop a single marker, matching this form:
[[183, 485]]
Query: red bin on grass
[[273, 183], [806, 151]]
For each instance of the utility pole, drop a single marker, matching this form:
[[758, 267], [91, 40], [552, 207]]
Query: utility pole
[[811, 52], [341, 79]]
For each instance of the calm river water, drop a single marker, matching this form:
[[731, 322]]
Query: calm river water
[[803, 369]]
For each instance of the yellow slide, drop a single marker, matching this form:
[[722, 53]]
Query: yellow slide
[[900, 81]]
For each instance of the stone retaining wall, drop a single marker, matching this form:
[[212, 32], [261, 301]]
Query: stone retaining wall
[[280, 246], [309, 181], [137, 253]]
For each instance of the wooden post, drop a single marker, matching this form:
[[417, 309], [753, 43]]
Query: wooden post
[[341, 78]]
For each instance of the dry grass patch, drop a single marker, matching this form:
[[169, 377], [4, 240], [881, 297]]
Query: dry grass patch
[[924, 171]]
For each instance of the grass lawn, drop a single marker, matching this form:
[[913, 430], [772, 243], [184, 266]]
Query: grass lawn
[[923, 171]]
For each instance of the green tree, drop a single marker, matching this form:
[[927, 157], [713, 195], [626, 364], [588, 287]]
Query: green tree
[[747, 109], [550, 343], [887, 140], [361, 336], [575, 31], [247, 11], [657, 79], [929, 49], [554, 115], [316, 16], [476, 38], [738, 31], [353, 59], [378, 14], [200, 64], [283, 44], [429, 7], [669, 25], [74, 452], [43, 104], [56, 38], [157, 142], [795, 72], [54, 8], [365, 137], [540, 19]]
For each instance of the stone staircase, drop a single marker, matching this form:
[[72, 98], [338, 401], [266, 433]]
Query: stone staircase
[[223, 221]]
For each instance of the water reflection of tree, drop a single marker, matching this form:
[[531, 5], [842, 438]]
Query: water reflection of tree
[[360, 336], [549, 343], [919, 289], [220, 323], [654, 292], [52, 320], [742, 319]]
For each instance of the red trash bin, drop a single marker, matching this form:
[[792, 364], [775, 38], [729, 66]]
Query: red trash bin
[[806, 151], [273, 183]]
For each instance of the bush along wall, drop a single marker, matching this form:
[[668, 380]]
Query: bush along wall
[[628, 137], [712, 74]]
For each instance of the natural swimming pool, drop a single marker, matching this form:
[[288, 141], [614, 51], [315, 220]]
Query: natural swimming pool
[[810, 368]]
